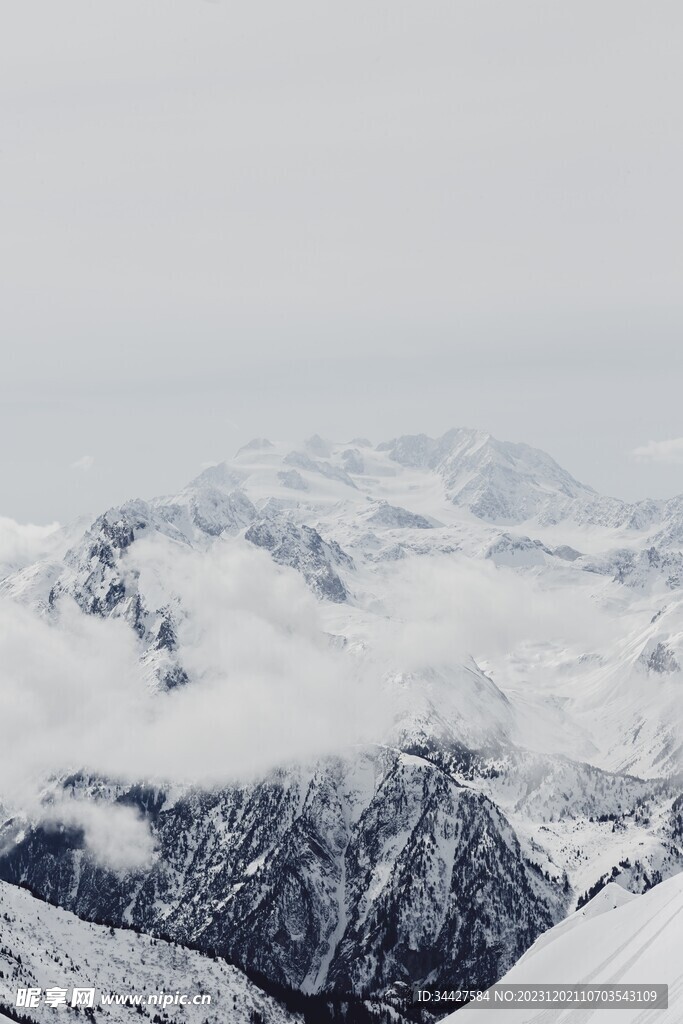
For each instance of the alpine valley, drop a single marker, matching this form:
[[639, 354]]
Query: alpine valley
[[442, 687]]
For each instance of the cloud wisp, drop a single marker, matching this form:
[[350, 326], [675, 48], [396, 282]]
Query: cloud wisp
[[84, 464], [21, 543], [670, 451]]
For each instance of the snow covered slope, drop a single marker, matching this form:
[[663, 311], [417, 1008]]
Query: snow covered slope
[[42, 946], [617, 938], [511, 641], [365, 527], [347, 875], [495, 480]]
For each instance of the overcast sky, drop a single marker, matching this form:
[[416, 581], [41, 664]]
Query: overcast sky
[[221, 220]]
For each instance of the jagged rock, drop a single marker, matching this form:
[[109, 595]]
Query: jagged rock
[[569, 554], [302, 548], [292, 478], [299, 460], [509, 550], [353, 461], [395, 517], [659, 658], [350, 877]]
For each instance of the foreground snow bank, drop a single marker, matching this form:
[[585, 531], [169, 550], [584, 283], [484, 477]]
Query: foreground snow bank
[[616, 938]]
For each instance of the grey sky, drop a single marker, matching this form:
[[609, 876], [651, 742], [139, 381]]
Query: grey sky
[[228, 219]]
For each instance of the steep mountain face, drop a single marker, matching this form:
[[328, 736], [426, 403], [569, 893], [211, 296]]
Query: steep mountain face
[[48, 948], [526, 635], [384, 514], [104, 579], [496, 480], [458, 902], [97, 577], [302, 548], [435, 866], [503, 482], [640, 570], [350, 877], [580, 826]]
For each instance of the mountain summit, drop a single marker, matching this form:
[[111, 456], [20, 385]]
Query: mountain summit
[[496, 480], [509, 640]]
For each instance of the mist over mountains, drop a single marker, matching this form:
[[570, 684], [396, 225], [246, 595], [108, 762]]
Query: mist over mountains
[[351, 716]]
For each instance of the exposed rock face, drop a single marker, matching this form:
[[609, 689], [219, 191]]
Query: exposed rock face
[[353, 461], [99, 575], [322, 468], [509, 550], [439, 856], [639, 569], [398, 518], [496, 480], [358, 873], [302, 548], [292, 478], [41, 942], [99, 578], [350, 877], [659, 658], [214, 512]]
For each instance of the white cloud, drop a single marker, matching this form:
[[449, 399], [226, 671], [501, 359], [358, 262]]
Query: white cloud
[[267, 687], [116, 835], [442, 610], [660, 451], [84, 464], [21, 543]]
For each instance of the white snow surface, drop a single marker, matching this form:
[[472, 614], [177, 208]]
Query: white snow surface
[[481, 594], [45, 947], [546, 616], [569, 602], [617, 938]]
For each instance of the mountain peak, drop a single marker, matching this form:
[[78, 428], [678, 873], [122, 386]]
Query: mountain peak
[[257, 444], [500, 481]]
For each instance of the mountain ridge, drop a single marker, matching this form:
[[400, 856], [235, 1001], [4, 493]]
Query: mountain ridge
[[524, 637]]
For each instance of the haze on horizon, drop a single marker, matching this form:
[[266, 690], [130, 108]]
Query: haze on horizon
[[223, 220]]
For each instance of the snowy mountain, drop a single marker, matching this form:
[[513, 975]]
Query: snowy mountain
[[463, 675], [496, 480], [46, 948], [326, 879], [616, 938]]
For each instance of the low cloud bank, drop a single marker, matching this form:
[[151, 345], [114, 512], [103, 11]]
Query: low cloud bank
[[267, 684], [22, 543], [443, 610]]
